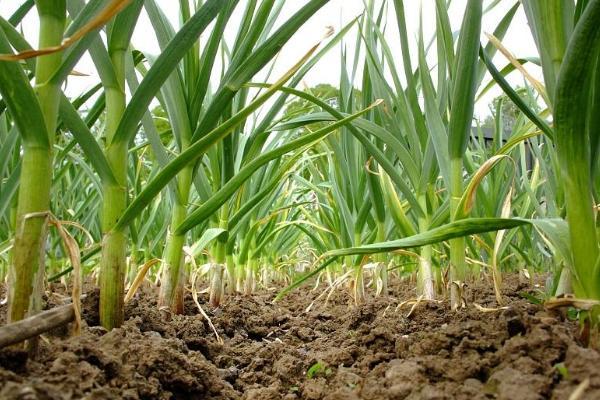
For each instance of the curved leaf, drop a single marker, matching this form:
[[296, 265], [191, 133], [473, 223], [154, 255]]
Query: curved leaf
[[21, 100], [468, 198], [452, 230], [234, 184], [73, 122], [510, 92], [163, 67], [196, 150]]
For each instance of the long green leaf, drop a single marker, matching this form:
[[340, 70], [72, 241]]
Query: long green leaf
[[572, 109], [514, 96], [237, 181], [465, 85], [86, 140], [243, 72], [196, 150], [449, 231], [163, 67], [21, 100]]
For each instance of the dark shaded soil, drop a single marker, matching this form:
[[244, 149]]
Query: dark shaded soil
[[335, 351]]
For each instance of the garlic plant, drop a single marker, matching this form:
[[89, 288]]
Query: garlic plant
[[203, 156]]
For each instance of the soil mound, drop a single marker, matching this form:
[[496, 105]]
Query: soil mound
[[332, 351]]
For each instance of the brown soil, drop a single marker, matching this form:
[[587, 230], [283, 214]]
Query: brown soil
[[370, 351]]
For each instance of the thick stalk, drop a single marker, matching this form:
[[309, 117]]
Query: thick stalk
[[240, 276], [28, 250], [574, 108], [216, 284], [459, 128], [36, 176], [184, 273], [113, 263], [114, 251], [172, 287], [359, 285], [458, 267], [382, 259], [359, 281], [425, 285], [231, 274], [266, 273], [250, 284]]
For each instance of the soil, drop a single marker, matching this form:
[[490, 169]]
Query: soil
[[334, 351]]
